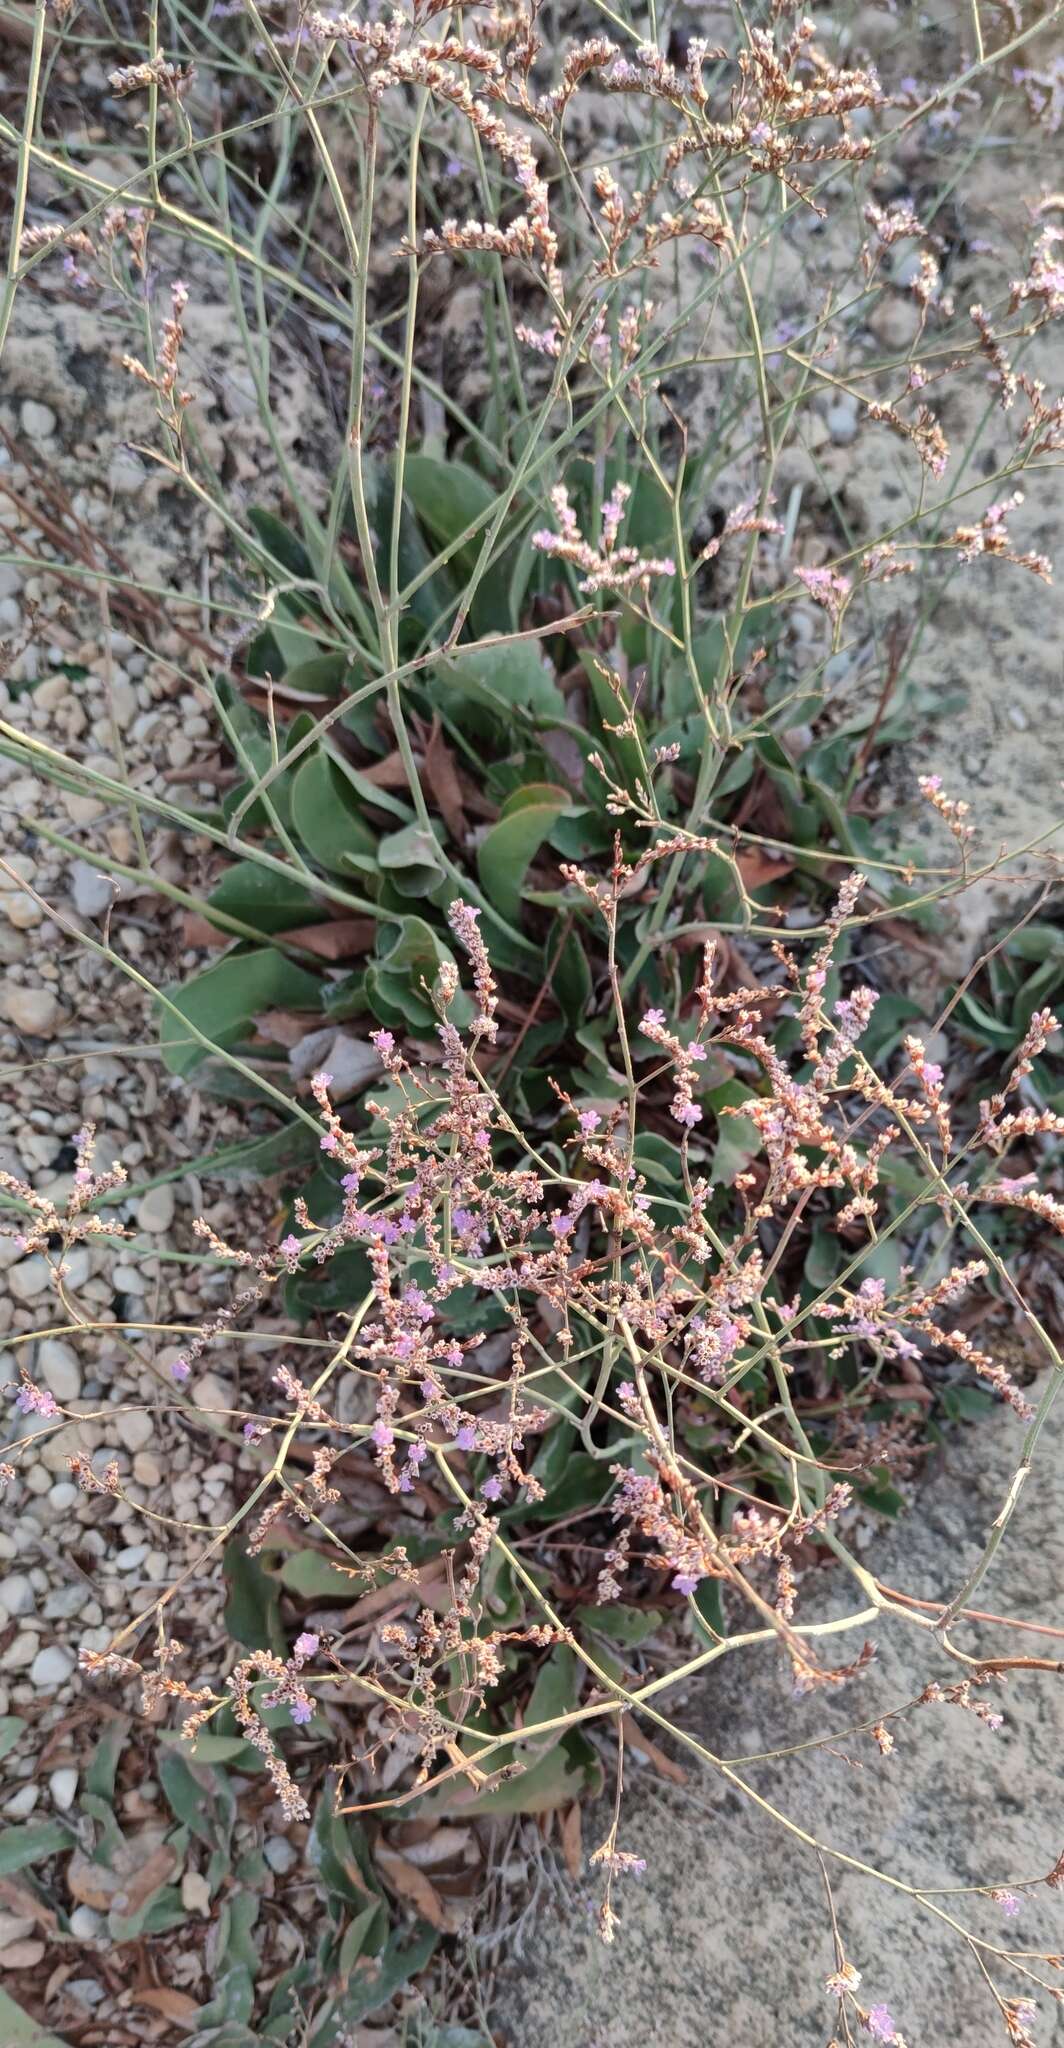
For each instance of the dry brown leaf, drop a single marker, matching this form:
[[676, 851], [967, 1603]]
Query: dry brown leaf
[[572, 1840], [337, 940], [644, 1749], [441, 776], [387, 774], [442, 1845], [18, 1899], [281, 1027], [149, 1879], [88, 1883], [408, 1882], [757, 868], [196, 931], [174, 2005], [23, 1955]]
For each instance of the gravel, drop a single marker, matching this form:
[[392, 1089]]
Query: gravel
[[36, 1011]]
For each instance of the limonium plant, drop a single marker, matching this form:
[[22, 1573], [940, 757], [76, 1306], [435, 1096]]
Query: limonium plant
[[514, 724], [628, 1322]]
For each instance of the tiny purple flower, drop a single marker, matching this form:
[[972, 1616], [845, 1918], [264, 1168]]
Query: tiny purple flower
[[301, 1712], [685, 1582], [492, 1488], [306, 1645], [180, 1370], [880, 2024]]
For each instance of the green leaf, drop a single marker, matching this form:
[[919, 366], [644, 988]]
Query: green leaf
[[571, 981], [323, 816], [738, 1139], [570, 1770], [270, 902], [448, 497], [557, 1687], [18, 2030], [222, 1002], [584, 1482], [411, 860], [356, 1936], [404, 1956], [253, 1607], [315, 1577], [628, 1626], [504, 679], [11, 1726], [507, 851], [21, 1846], [281, 543]]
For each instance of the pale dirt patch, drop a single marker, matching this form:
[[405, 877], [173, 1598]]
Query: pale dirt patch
[[727, 1938]]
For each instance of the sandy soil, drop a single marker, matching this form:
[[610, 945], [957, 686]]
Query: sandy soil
[[727, 1938]]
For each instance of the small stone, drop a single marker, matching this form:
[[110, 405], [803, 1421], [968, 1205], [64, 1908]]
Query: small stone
[[64, 1602], [842, 422], [147, 1470], [210, 1392], [24, 913], [17, 1594], [15, 1927], [279, 1854], [10, 580], [126, 471], [22, 1802], [21, 1651], [1017, 716], [85, 1924], [38, 421], [33, 1010], [59, 1367], [51, 1668], [134, 1429], [62, 1785], [62, 1496], [155, 1210], [195, 1893], [30, 1277], [92, 891], [129, 1559]]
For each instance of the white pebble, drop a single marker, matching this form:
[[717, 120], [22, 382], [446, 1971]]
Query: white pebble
[[23, 1802], [63, 1784], [17, 1594], [134, 1429], [51, 1667], [38, 421], [34, 1010], [85, 1923], [155, 1210], [59, 1367], [92, 891]]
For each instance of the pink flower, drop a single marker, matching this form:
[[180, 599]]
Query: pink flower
[[306, 1645], [880, 2024], [301, 1711]]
